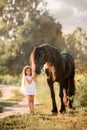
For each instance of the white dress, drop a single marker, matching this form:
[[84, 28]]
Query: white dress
[[30, 88]]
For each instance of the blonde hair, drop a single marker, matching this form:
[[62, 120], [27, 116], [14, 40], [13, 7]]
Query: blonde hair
[[23, 75], [25, 69]]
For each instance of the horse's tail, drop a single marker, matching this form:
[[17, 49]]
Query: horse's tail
[[71, 86], [71, 90]]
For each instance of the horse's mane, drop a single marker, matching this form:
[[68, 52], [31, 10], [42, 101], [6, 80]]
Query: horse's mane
[[51, 48], [52, 53]]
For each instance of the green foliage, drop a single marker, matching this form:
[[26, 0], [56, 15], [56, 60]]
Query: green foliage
[[80, 101], [12, 80], [2, 45], [1, 108], [76, 43], [36, 32], [25, 33], [15, 13], [0, 94]]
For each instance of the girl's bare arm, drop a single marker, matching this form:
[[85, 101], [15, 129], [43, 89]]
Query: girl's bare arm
[[28, 81]]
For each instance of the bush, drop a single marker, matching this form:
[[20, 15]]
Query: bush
[[0, 94], [10, 80], [1, 108], [81, 92]]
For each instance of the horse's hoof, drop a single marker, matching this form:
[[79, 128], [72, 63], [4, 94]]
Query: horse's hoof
[[72, 108], [54, 114], [62, 111]]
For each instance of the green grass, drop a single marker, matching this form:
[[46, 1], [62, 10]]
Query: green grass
[[44, 122], [42, 119], [8, 79], [1, 107], [0, 94], [80, 101]]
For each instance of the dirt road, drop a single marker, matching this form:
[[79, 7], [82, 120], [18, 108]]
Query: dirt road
[[20, 108]]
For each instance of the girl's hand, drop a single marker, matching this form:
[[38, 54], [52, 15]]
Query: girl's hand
[[33, 78]]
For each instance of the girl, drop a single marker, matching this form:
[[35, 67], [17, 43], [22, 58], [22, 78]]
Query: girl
[[28, 82]]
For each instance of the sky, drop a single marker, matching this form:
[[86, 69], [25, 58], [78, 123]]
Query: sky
[[69, 13]]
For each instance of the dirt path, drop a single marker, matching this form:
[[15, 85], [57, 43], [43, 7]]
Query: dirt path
[[20, 108], [6, 91]]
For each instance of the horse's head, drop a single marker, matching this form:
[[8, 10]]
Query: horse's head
[[38, 59]]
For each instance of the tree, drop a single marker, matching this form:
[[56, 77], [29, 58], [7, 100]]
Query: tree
[[14, 13], [27, 32], [76, 43], [35, 32]]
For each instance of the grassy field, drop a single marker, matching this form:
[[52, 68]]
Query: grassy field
[[0, 94], [43, 120]]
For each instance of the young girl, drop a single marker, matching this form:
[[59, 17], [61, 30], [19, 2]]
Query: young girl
[[28, 81]]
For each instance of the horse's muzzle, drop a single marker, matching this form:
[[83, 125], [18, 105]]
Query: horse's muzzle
[[38, 71]]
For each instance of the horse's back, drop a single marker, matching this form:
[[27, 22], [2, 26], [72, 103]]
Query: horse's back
[[69, 64]]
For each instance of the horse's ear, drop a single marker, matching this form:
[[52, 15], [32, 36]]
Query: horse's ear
[[34, 48]]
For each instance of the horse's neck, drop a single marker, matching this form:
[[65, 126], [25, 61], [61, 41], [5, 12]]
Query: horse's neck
[[51, 56]]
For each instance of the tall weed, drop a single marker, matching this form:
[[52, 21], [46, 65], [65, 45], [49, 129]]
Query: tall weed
[[80, 100], [10, 80]]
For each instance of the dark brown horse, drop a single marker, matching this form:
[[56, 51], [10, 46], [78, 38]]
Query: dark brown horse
[[59, 67]]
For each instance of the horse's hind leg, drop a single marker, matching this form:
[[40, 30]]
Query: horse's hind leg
[[61, 95], [65, 94], [71, 91], [54, 107]]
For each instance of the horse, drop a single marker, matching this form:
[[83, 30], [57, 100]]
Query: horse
[[59, 67]]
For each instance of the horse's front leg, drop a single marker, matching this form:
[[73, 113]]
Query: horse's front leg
[[54, 107]]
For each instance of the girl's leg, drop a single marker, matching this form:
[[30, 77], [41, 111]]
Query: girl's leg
[[31, 102]]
